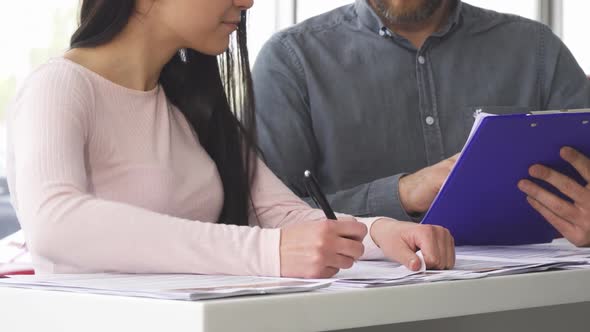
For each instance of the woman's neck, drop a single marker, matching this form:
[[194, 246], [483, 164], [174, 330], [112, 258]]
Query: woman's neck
[[134, 59]]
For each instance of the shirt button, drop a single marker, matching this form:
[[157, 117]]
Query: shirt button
[[429, 121], [421, 60]]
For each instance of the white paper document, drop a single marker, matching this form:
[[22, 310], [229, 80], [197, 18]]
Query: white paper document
[[164, 286], [536, 253], [472, 263], [378, 270], [479, 115]]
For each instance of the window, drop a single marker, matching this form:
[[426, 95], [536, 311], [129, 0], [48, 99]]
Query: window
[[575, 31], [262, 23], [524, 8], [310, 8], [26, 45], [30, 45], [32, 32]]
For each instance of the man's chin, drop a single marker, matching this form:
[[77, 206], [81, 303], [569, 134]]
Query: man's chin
[[406, 8], [406, 12]]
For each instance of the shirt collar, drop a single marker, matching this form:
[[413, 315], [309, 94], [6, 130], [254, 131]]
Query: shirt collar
[[370, 19]]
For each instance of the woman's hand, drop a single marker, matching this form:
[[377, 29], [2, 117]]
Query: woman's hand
[[320, 249], [400, 240]]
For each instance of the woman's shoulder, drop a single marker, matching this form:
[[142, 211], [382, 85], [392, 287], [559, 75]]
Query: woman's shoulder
[[56, 88], [58, 77]]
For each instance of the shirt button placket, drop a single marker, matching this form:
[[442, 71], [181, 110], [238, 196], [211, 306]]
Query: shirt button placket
[[432, 134]]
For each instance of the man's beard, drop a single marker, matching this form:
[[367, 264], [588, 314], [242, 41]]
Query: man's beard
[[393, 14]]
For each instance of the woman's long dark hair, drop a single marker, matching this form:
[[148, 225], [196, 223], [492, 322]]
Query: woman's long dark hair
[[214, 94]]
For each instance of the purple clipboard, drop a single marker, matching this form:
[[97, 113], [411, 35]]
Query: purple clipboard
[[480, 202]]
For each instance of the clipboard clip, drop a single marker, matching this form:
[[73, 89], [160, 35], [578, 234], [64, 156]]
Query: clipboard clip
[[477, 112], [575, 111]]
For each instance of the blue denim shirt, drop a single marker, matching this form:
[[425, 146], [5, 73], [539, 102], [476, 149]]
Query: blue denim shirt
[[343, 96]]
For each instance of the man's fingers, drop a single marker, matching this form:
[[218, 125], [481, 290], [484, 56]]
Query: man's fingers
[[580, 162], [565, 184], [563, 226], [557, 206]]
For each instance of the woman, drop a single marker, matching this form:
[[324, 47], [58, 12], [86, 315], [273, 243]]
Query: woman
[[127, 155]]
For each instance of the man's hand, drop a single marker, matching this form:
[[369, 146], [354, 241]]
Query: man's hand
[[572, 220], [417, 191], [400, 240]]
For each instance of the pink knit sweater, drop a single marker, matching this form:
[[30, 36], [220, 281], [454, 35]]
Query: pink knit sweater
[[105, 178]]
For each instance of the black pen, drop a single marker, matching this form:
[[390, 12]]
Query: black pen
[[314, 191]]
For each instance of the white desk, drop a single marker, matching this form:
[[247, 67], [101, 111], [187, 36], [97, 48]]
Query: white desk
[[562, 300]]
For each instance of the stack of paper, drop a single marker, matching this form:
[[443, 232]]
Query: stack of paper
[[163, 286], [472, 263], [368, 273], [559, 254]]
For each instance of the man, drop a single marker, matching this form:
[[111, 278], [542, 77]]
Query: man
[[378, 97]]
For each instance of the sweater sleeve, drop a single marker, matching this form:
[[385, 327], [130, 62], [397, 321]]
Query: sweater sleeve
[[69, 230]]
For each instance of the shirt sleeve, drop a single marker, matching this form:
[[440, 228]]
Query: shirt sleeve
[[287, 140], [69, 230]]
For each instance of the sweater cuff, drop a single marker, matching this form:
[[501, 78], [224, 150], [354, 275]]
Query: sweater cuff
[[271, 252], [384, 199], [372, 251]]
